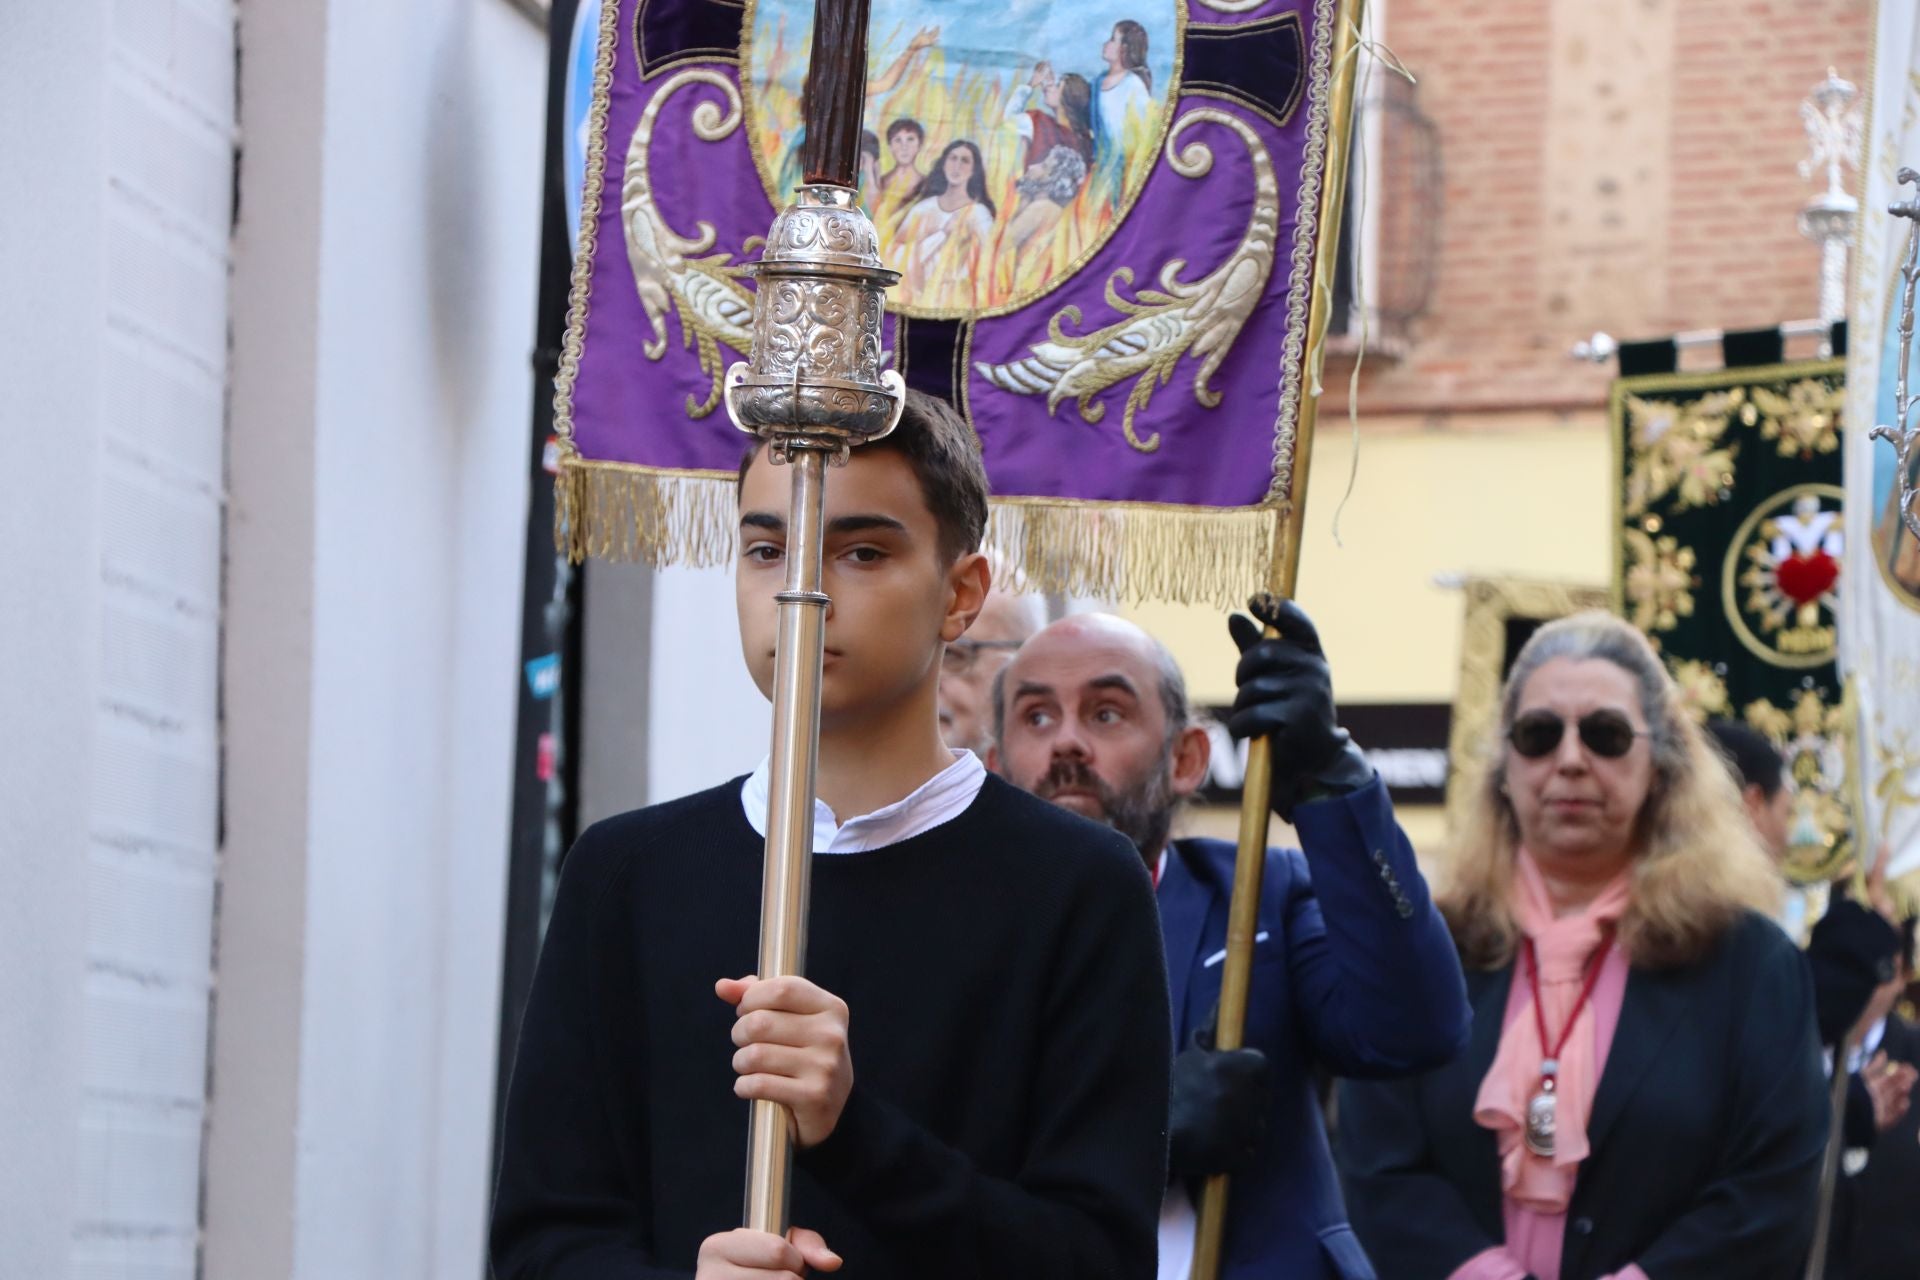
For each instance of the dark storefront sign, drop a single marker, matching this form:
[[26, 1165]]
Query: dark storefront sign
[[1405, 741]]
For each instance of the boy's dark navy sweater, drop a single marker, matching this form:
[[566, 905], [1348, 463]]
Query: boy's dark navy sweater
[[1008, 1016]]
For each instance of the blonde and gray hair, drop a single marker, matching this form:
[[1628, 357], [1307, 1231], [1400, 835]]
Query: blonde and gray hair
[[1697, 862]]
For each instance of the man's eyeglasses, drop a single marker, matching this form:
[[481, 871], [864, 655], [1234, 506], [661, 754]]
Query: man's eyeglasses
[[1608, 734], [963, 653]]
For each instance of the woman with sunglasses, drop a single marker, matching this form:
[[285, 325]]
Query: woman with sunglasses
[[1642, 1095]]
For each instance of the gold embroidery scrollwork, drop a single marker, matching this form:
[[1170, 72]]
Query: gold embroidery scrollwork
[[1813, 738], [1805, 420], [1897, 759], [1896, 776], [1677, 449], [713, 306], [1162, 325], [1659, 582], [1703, 693]]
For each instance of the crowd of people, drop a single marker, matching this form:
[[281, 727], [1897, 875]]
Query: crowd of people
[[1589, 1054]]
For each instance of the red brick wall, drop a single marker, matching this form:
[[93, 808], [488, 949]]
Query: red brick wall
[[1725, 252], [1741, 67], [1477, 62]]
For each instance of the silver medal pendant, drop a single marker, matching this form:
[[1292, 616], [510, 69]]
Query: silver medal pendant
[[1540, 1125], [1541, 1112]]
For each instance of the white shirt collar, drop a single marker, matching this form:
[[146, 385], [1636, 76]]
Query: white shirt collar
[[939, 799]]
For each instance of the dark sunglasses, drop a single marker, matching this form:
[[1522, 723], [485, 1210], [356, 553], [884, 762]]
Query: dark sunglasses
[[1608, 734]]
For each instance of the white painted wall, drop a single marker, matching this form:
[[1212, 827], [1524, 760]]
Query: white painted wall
[[156, 774], [706, 721], [383, 300], [50, 341], [113, 244]]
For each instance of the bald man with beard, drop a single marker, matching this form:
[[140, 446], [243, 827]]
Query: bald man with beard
[[1353, 969]]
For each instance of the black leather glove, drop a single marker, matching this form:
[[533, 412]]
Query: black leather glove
[[1222, 1101], [1286, 693]]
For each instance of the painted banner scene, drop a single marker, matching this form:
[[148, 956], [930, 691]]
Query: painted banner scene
[[1003, 143]]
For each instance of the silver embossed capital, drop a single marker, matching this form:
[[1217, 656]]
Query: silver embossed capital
[[815, 376]]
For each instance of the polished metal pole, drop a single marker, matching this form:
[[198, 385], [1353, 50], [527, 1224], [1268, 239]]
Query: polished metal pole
[[811, 401], [1250, 861], [783, 888]]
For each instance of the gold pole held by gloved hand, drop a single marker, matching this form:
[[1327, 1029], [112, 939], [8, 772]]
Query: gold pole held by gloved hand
[[1251, 859]]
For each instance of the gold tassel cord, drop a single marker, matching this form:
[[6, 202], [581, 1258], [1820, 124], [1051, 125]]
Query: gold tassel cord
[[1111, 551]]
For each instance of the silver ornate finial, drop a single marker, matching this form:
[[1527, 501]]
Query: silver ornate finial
[[1903, 435], [1832, 114], [815, 378]]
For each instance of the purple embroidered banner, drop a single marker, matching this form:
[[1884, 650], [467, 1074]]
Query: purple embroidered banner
[[1104, 220]]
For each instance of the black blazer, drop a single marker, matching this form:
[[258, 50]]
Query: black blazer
[[1876, 1228], [1707, 1131]]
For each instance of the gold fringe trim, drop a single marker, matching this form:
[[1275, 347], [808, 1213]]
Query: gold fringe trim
[[1136, 552], [1128, 552], [658, 518]]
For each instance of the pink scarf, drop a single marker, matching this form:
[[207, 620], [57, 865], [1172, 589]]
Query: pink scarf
[[1564, 948]]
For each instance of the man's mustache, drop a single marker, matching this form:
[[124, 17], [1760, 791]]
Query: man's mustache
[[1071, 775], [1142, 813]]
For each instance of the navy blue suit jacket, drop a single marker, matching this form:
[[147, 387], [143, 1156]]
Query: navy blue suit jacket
[[1354, 970]]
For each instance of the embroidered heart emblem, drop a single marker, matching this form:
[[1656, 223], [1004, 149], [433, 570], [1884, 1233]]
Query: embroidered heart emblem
[[1805, 578]]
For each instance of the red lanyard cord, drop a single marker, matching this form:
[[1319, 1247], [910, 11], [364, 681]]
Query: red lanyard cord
[[1586, 993]]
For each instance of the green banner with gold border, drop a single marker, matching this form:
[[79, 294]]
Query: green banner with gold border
[[1728, 553]]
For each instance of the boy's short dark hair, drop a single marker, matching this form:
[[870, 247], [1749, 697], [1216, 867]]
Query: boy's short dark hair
[[906, 124], [1755, 761], [945, 456]]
